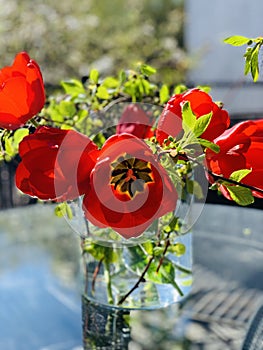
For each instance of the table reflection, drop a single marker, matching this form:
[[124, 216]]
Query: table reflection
[[40, 296]]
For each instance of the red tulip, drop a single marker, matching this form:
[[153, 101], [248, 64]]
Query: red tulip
[[129, 188], [170, 121], [56, 164], [22, 93], [241, 147], [134, 120]]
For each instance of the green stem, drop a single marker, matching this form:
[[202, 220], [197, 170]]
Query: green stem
[[108, 282], [84, 267], [181, 268], [176, 286], [34, 122]]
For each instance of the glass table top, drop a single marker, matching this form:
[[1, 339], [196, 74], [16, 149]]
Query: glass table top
[[40, 296]]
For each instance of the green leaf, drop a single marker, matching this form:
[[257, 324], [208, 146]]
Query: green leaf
[[147, 70], [69, 212], [173, 225], [178, 248], [99, 139], [110, 255], [62, 210], [94, 76], [130, 89], [157, 251], [110, 83], [180, 89], [241, 195], [81, 122], [73, 87], [66, 127], [99, 252], [9, 147], [237, 40], [164, 94], [67, 109], [189, 119], [201, 124], [82, 114], [122, 77], [254, 63], [145, 87], [238, 175], [247, 56], [102, 93], [19, 135], [54, 112], [208, 144], [205, 88], [166, 273], [137, 259], [195, 188], [148, 246]]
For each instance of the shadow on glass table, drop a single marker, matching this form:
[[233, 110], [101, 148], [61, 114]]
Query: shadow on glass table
[[40, 297]]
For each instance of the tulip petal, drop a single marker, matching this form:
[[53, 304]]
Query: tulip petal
[[22, 93], [56, 164]]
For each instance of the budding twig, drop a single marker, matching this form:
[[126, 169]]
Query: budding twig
[[217, 177], [167, 244], [141, 279]]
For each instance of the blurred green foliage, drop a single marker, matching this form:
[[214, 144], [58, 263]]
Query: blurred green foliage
[[69, 38], [93, 104]]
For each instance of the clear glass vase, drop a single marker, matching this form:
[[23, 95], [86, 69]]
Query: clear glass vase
[[135, 219], [138, 276], [151, 271]]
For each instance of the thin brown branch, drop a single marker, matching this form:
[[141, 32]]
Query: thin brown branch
[[114, 102], [95, 274], [141, 279], [167, 244], [233, 182], [217, 177]]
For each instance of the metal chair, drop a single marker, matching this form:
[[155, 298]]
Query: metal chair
[[254, 336]]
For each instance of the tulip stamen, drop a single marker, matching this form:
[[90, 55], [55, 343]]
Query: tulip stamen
[[130, 175]]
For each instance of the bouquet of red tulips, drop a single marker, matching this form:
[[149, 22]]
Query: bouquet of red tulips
[[127, 148]]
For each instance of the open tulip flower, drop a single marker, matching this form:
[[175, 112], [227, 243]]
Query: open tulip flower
[[129, 189], [22, 93]]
